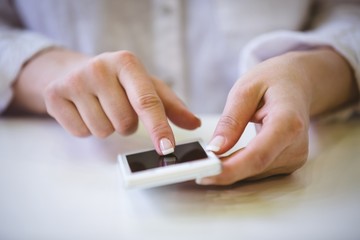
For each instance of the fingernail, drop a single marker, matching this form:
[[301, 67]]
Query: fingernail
[[204, 181], [215, 144], [166, 146]]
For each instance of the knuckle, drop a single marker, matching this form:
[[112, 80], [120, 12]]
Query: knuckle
[[97, 68], [52, 100], [160, 128], [246, 89], [125, 55], [126, 59], [126, 126], [73, 83], [80, 132], [229, 122], [50, 96], [104, 132], [147, 102]]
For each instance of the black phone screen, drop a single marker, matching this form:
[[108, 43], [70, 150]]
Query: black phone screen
[[150, 159]]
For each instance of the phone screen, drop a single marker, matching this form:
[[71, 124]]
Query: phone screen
[[150, 159]]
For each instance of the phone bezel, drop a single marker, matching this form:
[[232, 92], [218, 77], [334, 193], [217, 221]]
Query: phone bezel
[[169, 174]]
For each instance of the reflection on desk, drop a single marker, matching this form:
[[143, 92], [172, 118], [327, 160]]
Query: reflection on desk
[[55, 186]]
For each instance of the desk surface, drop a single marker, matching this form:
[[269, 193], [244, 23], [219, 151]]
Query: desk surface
[[55, 186]]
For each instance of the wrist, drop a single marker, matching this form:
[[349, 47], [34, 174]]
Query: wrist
[[42, 69], [330, 80]]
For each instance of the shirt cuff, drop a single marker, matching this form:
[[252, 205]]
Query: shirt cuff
[[341, 32], [16, 47]]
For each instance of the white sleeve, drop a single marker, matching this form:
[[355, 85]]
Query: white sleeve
[[339, 27], [16, 47]]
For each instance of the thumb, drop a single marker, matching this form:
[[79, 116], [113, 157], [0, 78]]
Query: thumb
[[240, 106]]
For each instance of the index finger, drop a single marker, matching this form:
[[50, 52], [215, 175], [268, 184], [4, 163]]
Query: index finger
[[144, 99]]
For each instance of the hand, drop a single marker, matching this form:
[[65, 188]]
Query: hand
[[279, 95], [104, 94]]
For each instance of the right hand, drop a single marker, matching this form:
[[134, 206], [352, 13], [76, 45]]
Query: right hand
[[109, 93]]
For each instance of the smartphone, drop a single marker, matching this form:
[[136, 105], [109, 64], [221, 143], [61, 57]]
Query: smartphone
[[146, 169]]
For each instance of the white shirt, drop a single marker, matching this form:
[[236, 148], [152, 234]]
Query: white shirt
[[196, 46]]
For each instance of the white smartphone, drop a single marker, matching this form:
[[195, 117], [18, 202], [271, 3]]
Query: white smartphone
[[147, 169]]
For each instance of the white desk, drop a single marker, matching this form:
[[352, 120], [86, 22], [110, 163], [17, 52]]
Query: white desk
[[55, 186]]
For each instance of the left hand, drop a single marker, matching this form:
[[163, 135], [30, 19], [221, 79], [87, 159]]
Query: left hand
[[279, 95]]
